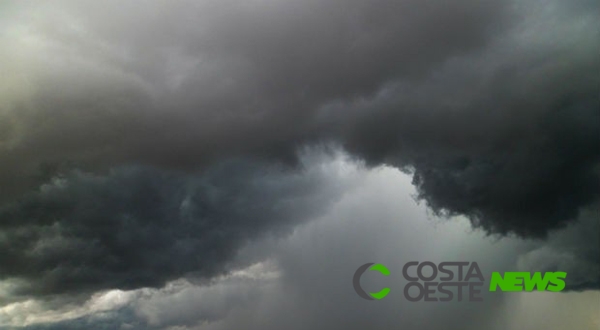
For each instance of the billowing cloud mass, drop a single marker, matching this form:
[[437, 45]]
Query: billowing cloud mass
[[140, 227], [143, 142], [488, 109], [305, 282], [575, 250]]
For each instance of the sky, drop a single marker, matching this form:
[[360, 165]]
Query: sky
[[229, 165]]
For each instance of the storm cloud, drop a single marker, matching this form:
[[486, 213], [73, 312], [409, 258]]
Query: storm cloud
[[147, 141], [140, 227], [486, 108], [304, 280]]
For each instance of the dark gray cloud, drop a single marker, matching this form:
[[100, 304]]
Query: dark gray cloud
[[575, 250], [115, 119], [381, 223], [307, 280], [489, 109], [525, 176], [183, 84], [139, 227]]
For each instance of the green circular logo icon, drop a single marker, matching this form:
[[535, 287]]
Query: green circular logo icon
[[356, 281]]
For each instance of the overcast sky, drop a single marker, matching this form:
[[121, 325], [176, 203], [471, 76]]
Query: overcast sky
[[230, 164]]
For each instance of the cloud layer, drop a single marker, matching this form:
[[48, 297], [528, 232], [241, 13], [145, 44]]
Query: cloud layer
[[497, 115], [140, 227], [149, 141], [305, 279]]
